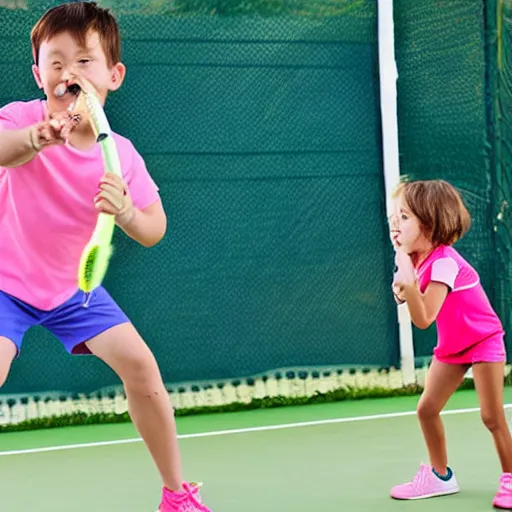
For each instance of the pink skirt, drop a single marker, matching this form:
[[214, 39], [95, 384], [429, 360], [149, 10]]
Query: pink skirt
[[489, 350]]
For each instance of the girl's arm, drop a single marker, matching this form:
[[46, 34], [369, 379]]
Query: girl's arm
[[424, 307]]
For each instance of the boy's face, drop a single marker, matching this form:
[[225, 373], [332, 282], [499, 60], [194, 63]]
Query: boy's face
[[62, 59]]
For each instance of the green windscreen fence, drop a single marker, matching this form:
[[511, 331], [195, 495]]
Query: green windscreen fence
[[260, 122], [500, 86], [454, 116], [443, 115]]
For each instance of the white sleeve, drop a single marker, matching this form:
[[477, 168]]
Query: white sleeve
[[445, 271]]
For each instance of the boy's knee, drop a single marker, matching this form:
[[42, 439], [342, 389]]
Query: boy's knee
[[140, 373]]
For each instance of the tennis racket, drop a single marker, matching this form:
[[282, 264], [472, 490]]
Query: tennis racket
[[96, 254]]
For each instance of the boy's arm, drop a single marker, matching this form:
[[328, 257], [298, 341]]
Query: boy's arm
[[146, 226], [17, 147]]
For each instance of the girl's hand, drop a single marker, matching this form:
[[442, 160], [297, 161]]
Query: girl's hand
[[405, 275]]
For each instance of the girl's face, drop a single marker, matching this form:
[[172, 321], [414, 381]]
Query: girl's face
[[406, 229]]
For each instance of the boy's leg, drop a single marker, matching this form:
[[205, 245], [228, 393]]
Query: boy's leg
[[123, 349], [8, 351], [16, 318], [96, 324]]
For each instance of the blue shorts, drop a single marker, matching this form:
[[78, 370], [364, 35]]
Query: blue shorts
[[79, 319]]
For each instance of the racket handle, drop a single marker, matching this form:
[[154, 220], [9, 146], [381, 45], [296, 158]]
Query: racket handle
[[99, 121], [111, 156], [104, 229]]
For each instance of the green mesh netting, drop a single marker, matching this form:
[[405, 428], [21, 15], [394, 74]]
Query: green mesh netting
[[446, 54], [260, 123], [500, 106]]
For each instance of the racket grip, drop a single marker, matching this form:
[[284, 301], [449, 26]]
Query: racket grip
[[99, 121], [111, 156], [105, 226]]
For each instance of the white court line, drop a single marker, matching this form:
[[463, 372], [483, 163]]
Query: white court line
[[265, 428]]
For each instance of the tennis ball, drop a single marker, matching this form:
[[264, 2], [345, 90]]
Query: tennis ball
[[61, 89]]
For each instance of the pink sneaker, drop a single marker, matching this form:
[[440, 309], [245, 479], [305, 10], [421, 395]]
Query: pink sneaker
[[187, 500], [425, 485], [503, 498]]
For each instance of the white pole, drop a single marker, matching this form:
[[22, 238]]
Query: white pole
[[388, 94]]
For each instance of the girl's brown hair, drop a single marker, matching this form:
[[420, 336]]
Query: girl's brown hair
[[439, 208]]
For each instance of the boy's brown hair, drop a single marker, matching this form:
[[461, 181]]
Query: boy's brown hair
[[79, 18], [439, 208]]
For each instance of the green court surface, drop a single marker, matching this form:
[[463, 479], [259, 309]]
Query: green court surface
[[334, 457]]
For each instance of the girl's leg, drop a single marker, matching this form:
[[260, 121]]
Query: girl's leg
[[489, 385], [434, 479], [441, 382]]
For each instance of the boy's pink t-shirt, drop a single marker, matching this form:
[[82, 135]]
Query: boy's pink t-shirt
[[466, 316], [47, 213]]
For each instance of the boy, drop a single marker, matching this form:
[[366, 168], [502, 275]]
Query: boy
[[52, 187]]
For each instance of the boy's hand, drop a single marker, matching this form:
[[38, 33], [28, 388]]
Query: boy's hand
[[79, 86], [55, 129], [114, 198]]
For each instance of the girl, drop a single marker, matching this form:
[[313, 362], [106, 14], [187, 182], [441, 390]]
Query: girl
[[439, 285]]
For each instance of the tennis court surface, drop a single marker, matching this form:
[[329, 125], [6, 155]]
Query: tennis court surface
[[342, 456]]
